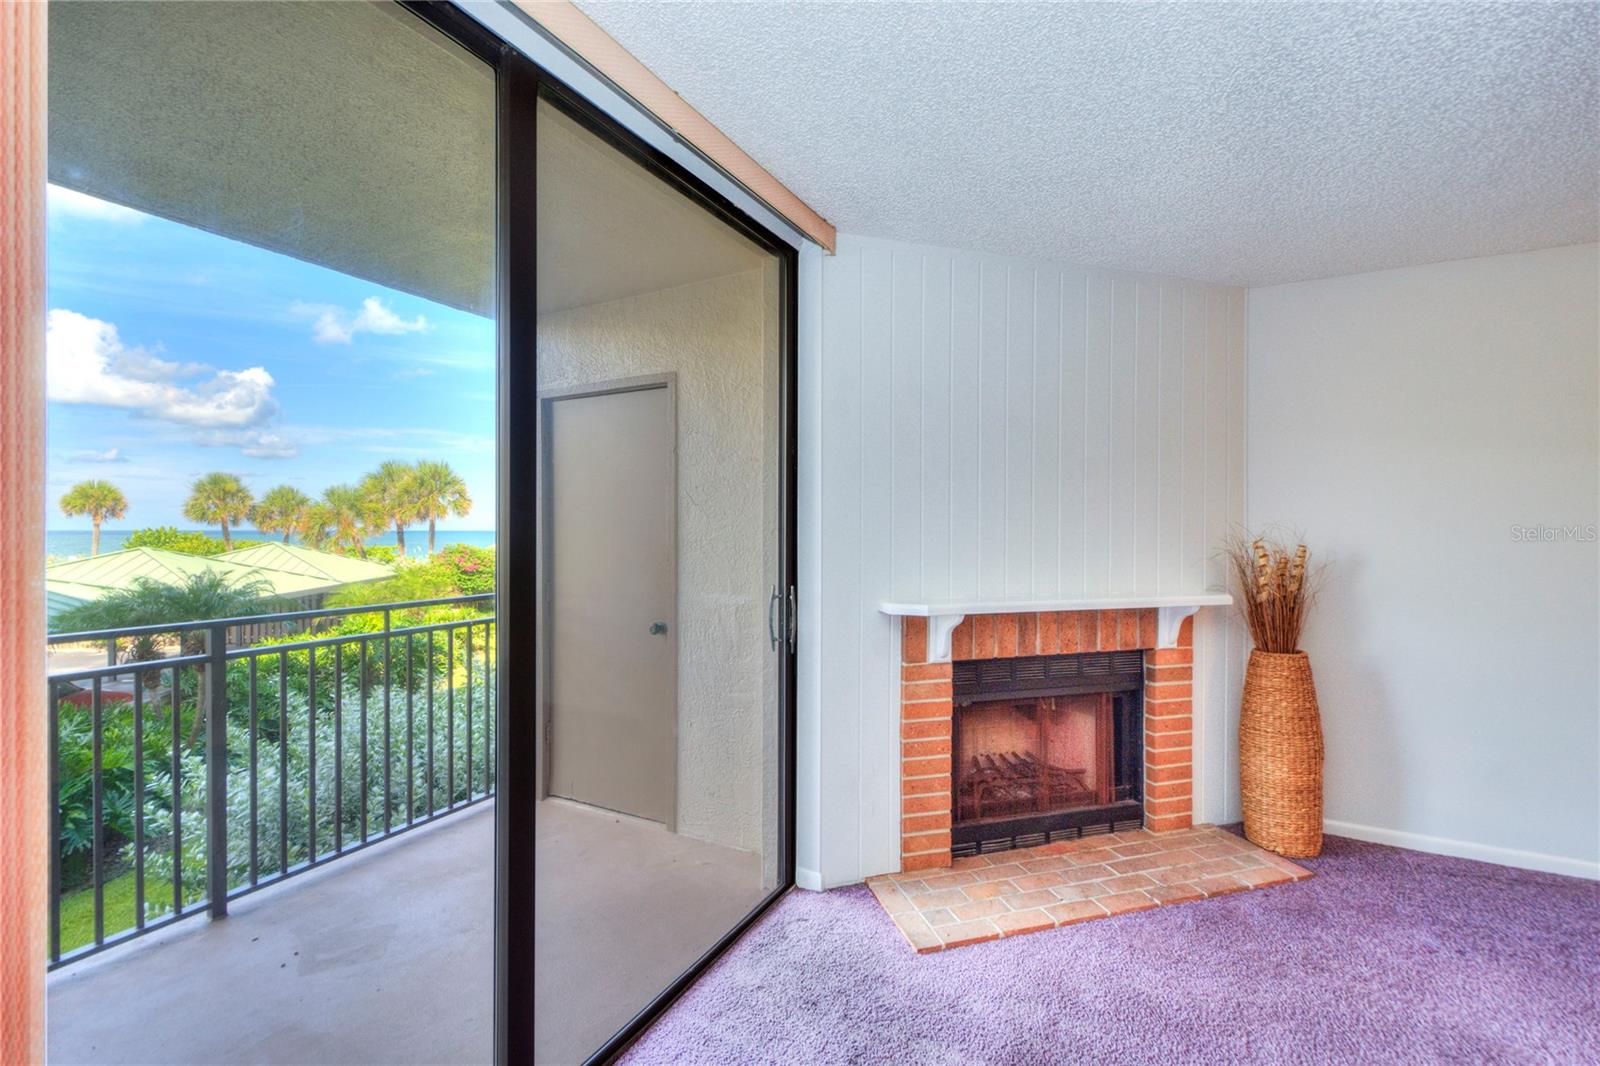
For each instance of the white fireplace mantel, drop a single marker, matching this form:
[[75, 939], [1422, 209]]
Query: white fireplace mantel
[[944, 617]]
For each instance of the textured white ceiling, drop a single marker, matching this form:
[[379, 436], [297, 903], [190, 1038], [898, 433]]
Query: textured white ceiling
[[1241, 143]]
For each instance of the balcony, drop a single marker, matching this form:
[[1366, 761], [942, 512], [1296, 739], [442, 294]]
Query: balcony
[[335, 778], [190, 771], [381, 956]]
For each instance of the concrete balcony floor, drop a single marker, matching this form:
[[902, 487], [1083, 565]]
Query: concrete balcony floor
[[384, 956]]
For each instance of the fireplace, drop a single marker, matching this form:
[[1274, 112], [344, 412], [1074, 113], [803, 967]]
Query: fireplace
[[985, 765], [1045, 748]]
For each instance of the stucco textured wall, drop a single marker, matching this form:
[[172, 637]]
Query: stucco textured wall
[[713, 335]]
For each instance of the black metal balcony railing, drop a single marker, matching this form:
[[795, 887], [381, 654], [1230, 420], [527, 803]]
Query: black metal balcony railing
[[185, 772]]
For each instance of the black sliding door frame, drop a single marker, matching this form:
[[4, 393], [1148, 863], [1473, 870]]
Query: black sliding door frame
[[669, 171], [520, 83]]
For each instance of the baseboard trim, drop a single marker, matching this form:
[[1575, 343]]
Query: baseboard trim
[[810, 880], [1466, 849]]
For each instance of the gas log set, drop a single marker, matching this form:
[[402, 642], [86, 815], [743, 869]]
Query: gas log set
[[1045, 748]]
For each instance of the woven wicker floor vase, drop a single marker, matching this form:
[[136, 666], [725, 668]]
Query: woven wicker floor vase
[[1280, 755]]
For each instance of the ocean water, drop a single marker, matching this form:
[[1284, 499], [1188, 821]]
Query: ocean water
[[71, 543]]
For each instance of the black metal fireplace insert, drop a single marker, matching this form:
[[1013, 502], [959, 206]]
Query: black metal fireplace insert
[[1046, 748]]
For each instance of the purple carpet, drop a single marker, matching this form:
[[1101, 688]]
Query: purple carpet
[[1384, 956]]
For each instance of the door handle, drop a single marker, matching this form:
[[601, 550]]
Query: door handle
[[772, 618], [657, 628]]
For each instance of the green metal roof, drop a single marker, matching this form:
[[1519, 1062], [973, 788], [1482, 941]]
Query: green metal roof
[[59, 595], [292, 572], [293, 559], [119, 570]]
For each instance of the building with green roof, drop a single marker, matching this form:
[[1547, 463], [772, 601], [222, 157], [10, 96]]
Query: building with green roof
[[291, 572], [293, 559]]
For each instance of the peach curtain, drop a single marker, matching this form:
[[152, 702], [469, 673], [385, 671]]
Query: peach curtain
[[24, 825]]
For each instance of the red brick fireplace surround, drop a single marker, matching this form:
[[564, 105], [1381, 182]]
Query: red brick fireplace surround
[[927, 711]]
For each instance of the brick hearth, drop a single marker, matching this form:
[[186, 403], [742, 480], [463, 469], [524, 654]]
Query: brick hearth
[[986, 897], [926, 712]]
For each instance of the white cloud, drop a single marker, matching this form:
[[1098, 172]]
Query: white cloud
[[337, 325], [256, 443], [87, 363], [140, 365], [270, 446], [329, 329], [64, 202], [376, 318], [110, 455]]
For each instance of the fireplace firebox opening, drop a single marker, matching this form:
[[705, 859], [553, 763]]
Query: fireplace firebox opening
[[1045, 748]]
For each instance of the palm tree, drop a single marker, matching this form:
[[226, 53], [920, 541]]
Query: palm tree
[[316, 525], [281, 510], [99, 500], [349, 517], [219, 499], [198, 597], [391, 493], [439, 491]]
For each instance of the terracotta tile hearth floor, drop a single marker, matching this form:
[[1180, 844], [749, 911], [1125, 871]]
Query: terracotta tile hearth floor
[[986, 897]]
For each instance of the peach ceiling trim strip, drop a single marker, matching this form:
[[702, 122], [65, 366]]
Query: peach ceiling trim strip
[[24, 817], [579, 33]]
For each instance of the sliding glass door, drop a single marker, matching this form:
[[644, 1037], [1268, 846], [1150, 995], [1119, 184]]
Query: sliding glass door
[[663, 604], [421, 465]]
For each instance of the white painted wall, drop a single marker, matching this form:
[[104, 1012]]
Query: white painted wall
[[719, 337], [808, 828], [986, 425], [1406, 421]]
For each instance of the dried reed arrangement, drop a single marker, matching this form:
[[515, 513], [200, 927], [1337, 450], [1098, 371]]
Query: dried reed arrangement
[[1275, 586]]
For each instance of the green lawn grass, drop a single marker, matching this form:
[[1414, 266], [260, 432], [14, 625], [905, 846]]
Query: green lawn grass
[[77, 908]]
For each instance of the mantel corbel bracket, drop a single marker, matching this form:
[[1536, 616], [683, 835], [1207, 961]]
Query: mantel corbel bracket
[[1168, 621], [940, 629]]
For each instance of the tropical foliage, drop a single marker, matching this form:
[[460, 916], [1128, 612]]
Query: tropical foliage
[[199, 597], [459, 570], [396, 495], [281, 510], [350, 518], [147, 603], [438, 491], [353, 722], [219, 499], [473, 568], [316, 526], [172, 539], [99, 500], [391, 495], [75, 775]]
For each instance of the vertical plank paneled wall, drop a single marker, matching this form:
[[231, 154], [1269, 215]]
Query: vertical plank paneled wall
[[1002, 427]]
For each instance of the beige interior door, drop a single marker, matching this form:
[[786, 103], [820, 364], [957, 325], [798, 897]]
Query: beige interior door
[[611, 525]]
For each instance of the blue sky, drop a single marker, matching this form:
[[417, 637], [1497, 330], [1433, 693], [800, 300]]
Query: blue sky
[[174, 352]]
